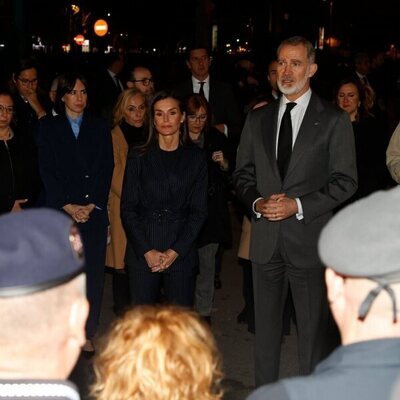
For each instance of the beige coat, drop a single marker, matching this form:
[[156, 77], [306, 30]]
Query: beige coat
[[117, 243], [393, 155], [244, 243]]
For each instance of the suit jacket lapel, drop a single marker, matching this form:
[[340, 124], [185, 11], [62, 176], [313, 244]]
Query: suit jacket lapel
[[308, 129], [269, 137]]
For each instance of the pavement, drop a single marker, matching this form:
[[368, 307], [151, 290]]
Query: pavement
[[234, 340]]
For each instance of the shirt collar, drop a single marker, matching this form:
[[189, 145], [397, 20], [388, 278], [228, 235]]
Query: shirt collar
[[112, 74], [196, 81], [303, 100], [77, 121]]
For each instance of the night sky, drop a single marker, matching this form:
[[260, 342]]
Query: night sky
[[358, 23]]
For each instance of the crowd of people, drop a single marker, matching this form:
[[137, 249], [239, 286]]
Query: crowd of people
[[143, 175]]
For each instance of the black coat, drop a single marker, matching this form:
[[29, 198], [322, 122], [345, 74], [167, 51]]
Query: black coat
[[19, 173], [217, 228], [164, 204]]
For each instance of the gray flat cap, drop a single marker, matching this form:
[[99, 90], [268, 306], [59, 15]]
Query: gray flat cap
[[363, 239]]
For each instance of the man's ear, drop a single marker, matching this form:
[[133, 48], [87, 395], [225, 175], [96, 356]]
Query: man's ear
[[335, 286], [313, 70], [78, 314]]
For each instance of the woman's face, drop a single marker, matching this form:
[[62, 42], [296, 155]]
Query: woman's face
[[196, 121], [6, 111], [348, 98], [168, 117], [76, 100], [27, 82], [135, 110]]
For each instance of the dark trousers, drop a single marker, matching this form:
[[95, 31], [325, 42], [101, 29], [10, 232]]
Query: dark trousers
[[248, 293], [148, 287], [314, 324], [94, 240], [120, 288]]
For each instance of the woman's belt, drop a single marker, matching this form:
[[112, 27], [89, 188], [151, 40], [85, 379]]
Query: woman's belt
[[165, 214]]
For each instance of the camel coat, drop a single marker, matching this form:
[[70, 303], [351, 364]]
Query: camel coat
[[244, 243], [117, 239]]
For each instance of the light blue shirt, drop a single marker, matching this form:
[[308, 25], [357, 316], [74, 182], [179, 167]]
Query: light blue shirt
[[75, 124]]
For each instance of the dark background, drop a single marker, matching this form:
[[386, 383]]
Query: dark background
[[357, 23], [135, 26]]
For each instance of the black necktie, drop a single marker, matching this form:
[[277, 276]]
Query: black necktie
[[364, 80], [201, 91], [285, 140], [117, 83]]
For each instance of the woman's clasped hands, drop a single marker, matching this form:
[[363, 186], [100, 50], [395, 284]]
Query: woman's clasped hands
[[160, 261]]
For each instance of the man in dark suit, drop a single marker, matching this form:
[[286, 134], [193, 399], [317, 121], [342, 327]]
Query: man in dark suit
[[291, 192], [108, 86], [360, 246], [225, 112]]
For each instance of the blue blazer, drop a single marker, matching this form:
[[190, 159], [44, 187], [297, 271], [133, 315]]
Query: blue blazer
[[76, 171]]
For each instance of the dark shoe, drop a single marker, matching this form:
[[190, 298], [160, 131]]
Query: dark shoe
[[242, 317], [251, 328], [88, 349], [119, 312], [217, 282]]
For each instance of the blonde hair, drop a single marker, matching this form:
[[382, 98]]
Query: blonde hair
[[122, 101], [158, 353]]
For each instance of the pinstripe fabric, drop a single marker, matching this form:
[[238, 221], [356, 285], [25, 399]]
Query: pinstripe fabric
[[155, 182]]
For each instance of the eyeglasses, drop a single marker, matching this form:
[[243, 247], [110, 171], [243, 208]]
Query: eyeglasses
[[26, 82], [193, 117], [6, 109], [144, 81]]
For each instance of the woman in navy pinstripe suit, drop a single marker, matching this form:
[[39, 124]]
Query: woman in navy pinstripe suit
[[163, 207]]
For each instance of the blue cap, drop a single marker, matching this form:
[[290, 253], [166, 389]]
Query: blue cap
[[39, 249]]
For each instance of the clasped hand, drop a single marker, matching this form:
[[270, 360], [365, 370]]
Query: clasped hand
[[277, 207], [159, 261], [80, 214]]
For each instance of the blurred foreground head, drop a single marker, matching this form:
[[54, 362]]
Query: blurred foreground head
[[43, 307], [158, 353], [360, 246]]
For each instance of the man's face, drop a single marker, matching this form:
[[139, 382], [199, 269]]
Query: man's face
[[294, 71], [272, 75], [199, 63], [142, 79]]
